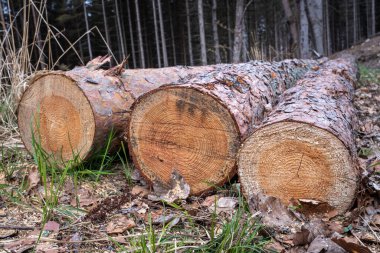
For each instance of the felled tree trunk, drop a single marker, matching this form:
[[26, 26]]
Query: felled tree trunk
[[73, 113], [305, 148], [195, 126]]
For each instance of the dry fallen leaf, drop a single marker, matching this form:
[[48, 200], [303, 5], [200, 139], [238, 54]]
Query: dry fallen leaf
[[178, 189], [33, 177], [210, 200], [302, 238], [51, 226], [22, 244], [274, 214], [141, 191], [224, 204], [85, 198], [324, 245], [118, 224], [350, 246]]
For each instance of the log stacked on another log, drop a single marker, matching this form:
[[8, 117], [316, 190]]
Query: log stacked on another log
[[73, 113], [195, 125], [305, 148]]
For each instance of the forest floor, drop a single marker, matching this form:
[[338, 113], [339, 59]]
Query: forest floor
[[73, 211]]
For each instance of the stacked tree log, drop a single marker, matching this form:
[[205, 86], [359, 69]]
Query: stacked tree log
[[305, 148], [193, 120], [72, 114], [195, 126]]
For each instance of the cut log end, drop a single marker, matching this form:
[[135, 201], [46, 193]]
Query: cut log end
[[185, 130], [56, 111], [300, 161]]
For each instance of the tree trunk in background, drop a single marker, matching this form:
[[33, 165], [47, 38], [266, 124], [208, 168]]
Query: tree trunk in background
[[347, 25], [199, 121], [202, 33], [238, 41], [141, 44], [87, 29], [156, 34], [189, 34], [120, 31], [304, 32], [355, 19], [109, 49], [131, 34], [311, 131], [245, 48], [229, 30], [373, 17], [40, 54], [172, 36], [292, 25], [328, 39], [315, 10], [215, 32], [163, 41]]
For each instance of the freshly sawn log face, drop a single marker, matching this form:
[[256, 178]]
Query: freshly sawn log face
[[195, 125], [305, 148], [73, 113]]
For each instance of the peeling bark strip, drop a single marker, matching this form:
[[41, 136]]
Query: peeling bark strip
[[74, 112], [305, 148], [195, 125]]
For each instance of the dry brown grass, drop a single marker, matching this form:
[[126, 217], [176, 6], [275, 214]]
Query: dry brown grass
[[22, 53]]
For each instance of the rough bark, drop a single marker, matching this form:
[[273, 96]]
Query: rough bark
[[195, 125], [74, 112], [202, 33], [305, 148]]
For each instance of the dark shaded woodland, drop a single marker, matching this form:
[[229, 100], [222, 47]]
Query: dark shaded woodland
[[155, 33]]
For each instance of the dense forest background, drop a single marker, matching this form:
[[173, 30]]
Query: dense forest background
[[154, 33]]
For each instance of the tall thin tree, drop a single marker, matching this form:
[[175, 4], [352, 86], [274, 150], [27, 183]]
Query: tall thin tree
[[189, 34], [141, 44], [315, 11], [87, 29], [109, 48], [172, 36], [131, 35], [304, 32], [215, 31], [120, 29], [163, 41], [230, 42], [373, 17], [292, 24], [202, 33], [156, 34], [238, 41], [355, 19]]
